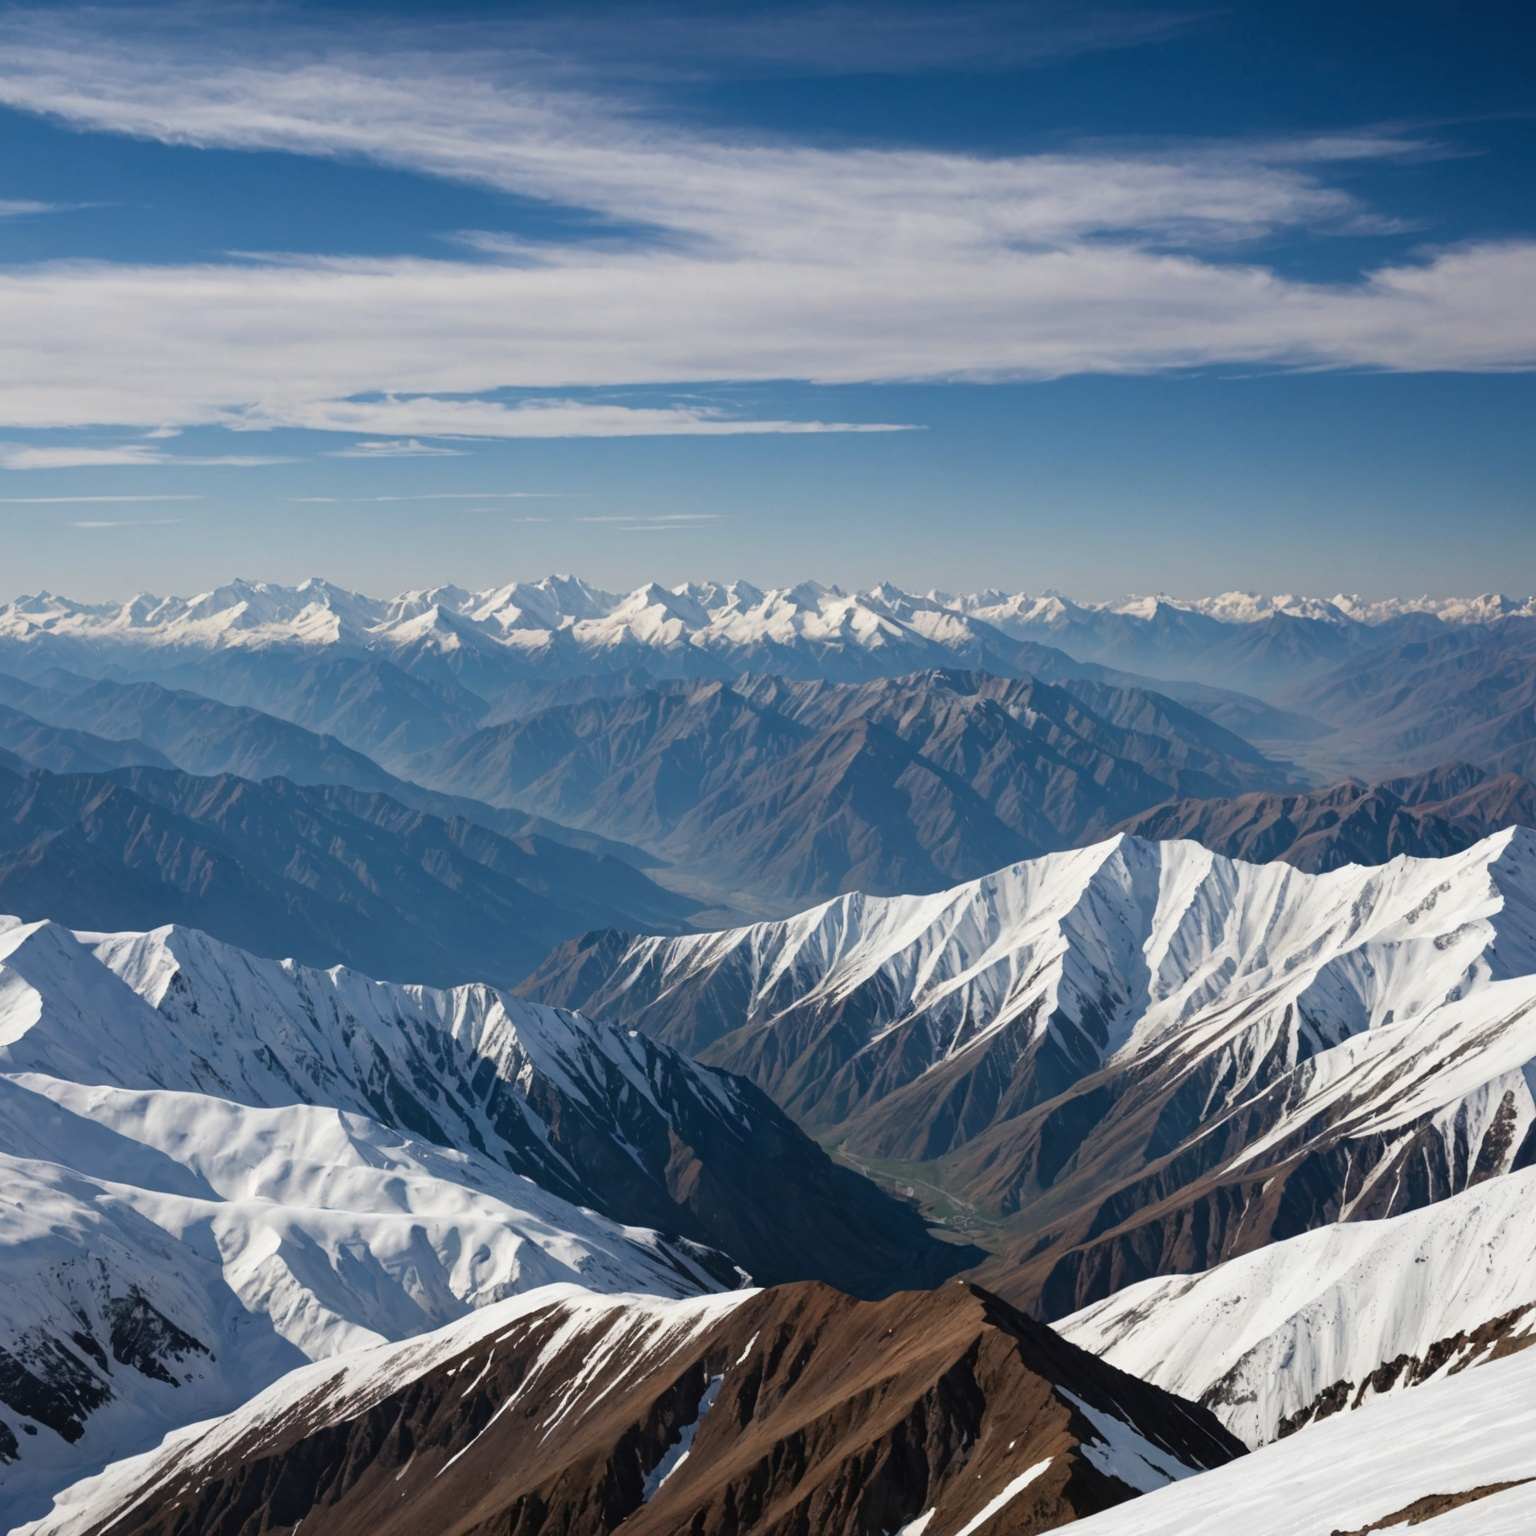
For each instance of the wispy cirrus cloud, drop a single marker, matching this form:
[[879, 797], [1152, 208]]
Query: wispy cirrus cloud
[[75, 501], [397, 448], [750, 258], [119, 456], [435, 416], [433, 496], [652, 522], [134, 522]]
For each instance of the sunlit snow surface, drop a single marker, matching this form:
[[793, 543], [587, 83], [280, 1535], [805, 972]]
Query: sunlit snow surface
[[1277, 1327], [1389, 993], [1464, 1432], [183, 1121]]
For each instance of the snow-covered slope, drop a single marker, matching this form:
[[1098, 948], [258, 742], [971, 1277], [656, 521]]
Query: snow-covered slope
[[1439, 1459], [164, 1255], [214, 1167], [1333, 1318], [176, 1230], [1083, 1037]]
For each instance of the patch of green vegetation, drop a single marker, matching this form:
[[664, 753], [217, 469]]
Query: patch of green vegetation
[[924, 1185]]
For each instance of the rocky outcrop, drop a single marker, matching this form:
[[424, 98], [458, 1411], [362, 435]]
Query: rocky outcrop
[[774, 1413]]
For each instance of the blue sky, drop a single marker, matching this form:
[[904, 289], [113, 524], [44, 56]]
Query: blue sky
[[1119, 298]]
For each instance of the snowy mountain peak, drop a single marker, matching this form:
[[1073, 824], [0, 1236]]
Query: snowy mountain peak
[[1132, 1035]]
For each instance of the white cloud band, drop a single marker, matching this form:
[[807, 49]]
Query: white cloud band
[[772, 261]]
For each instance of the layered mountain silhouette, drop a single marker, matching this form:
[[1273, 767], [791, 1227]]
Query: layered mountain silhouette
[[809, 788], [1468, 694], [79, 724], [1422, 815], [366, 702], [323, 873]]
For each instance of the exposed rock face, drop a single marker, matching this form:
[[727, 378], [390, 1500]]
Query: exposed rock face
[[773, 1413], [1140, 1058]]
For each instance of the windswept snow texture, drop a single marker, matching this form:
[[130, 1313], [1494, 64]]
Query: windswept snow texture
[[220, 1166], [1334, 1318], [214, 1168], [1470, 1431], [1118, 951]]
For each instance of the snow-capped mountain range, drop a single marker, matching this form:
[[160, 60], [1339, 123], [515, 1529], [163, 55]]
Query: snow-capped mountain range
[[214, 1168], [1140, 1056], [728, 622], [1277, 671], [317, 611], [1245, 607]]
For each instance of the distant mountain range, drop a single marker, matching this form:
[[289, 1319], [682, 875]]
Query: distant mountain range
[[767, 792], [1424, 815], [394, 676], [75, 724], [325, 874], [1468, 693], [798, 790], [1130, 1059]]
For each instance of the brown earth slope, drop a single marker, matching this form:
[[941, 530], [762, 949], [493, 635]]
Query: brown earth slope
[[789, 1412]]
